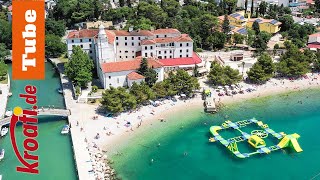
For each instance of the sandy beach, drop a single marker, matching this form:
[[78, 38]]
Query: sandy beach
[[111, 130]]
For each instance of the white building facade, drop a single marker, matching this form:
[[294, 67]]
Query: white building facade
[[117, 53]]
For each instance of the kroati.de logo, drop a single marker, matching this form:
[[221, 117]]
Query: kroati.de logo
[[29, 121]]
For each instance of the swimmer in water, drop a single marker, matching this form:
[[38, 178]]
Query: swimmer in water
[[151, 161], [185, 153], [159, 145]]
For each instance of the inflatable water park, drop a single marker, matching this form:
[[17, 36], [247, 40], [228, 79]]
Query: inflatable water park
[[256, 138]]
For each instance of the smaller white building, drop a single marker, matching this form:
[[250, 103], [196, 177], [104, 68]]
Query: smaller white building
[[123, 73]]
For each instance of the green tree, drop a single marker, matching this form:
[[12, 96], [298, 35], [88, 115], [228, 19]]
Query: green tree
[[142, 92], [287, 22], [160, 89], [54, 46], [171, 7], [196, 71], [238, 38], [317, 5], [3, 70], [5, 33], [245, 6], [226, 25], [261, 42], [250, 37], [117, 100], [150, 75], [231, 4], [219, 75], [262, 70], [216, 40], [252, 7], [79, 67], [256, 27], [3, 51], [182, 82], [57, 28], [263, 8]]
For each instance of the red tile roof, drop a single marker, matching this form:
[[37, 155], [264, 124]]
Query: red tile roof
[[195, 59], [315, 35], [134, 76], [133, 33], [182, 38], [147, 42], [128, 65], [165, 31], [317, 46], [90, 33]]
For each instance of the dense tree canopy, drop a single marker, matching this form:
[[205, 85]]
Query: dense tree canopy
[[223, 75], [79, 67], [54, 46], [5, 33], [261, 41], [116, 100], [142, 92], [182, 82], [262, 70], [150, 75], [57, 28]]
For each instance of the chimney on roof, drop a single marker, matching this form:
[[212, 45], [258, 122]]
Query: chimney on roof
[[130, 28]]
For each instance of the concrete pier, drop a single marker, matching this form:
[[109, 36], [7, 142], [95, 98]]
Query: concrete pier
[[81, 152]]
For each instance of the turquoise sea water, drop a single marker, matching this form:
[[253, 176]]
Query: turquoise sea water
[[206, 160], [55, 151]]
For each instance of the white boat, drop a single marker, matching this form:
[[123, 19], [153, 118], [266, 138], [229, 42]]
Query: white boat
[[65, 129], [60, 91], [2, 154], [4, 131], [8, 113]]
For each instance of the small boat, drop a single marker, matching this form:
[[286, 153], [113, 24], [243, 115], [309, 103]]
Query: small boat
[[60, 91], [4, 131], [2, 154], [65, 129], [8, 113], [0, 177]]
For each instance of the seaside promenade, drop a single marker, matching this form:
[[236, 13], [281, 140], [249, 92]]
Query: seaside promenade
[[81, 153]]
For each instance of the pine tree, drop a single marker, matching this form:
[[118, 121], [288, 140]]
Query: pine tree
[[226, 25]]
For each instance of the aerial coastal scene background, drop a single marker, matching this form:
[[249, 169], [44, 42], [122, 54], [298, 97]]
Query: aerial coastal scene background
[[189, 89]]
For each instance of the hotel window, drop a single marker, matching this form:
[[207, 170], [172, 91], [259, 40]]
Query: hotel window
[[120, 51], [116, 38], [145, 54], [180, 50], [117, 44], [132, 38], [89, 40], [157, 36], [132, 44], [139, 44], [90, 45], [165, 35], [117, 80], [120, 57], [125, 44], [187, 50], [126, 52], [151, 54], [180, 55], [187, 55], [81, 46], [159, 52], [146, 47], [165, 52], [170, 56], [109, 77], [132, 56], [125, 38], [151, 47], [139, 38], [126, 56], [180, 44], [90, 51], [72, 41], [80, 40], [187, 44]]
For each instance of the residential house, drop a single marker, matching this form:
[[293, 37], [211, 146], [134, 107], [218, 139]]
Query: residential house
[[269, 25], [314, 42], [236, 19]]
